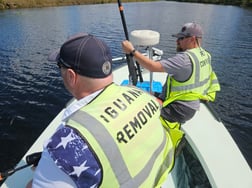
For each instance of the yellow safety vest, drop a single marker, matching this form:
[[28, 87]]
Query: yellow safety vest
[[202, 84], [122, 127]]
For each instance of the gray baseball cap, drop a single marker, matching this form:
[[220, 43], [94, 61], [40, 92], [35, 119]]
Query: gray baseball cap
[[189, 30]]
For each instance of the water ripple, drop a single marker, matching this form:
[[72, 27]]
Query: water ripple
[[32, 92]]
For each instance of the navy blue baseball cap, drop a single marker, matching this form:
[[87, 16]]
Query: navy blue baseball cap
[[86, 55]]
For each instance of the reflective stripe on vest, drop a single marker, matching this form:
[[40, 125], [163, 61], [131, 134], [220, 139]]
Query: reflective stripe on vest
[[196, 82], [214, 83], [157, 143], [200, 82]]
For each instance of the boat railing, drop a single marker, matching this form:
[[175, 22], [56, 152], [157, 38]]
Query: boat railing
[[212, 110]]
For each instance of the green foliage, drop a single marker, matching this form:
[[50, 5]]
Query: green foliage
[[45, 3], [224, 2], [247, 3]]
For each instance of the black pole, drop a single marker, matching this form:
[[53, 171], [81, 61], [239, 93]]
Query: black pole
[[130, 62], [123, 20]]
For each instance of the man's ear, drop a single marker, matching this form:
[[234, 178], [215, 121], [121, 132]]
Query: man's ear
[[71, 77], [195, 41]]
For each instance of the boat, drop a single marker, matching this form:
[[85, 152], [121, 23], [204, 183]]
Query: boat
[[207, 156]]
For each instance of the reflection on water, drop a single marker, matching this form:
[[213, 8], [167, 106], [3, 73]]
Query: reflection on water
[[31, 90]]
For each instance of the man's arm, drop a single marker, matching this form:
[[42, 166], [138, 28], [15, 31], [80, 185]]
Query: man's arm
[[48, 174], [153, 66]]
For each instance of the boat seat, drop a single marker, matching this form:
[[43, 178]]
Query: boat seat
[[144, 37]]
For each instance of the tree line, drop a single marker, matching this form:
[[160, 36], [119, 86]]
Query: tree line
[[243, 3], [11, 4]]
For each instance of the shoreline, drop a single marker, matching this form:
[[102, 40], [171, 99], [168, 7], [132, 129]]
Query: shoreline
[[18, 4]]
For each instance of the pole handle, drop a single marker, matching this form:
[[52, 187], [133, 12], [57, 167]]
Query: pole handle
[[31, 159]]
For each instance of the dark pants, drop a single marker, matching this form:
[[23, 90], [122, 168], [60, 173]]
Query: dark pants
[[176, 112]]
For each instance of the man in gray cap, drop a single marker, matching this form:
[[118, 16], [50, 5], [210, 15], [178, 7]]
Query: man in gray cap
[[190, 75], [111, 135]]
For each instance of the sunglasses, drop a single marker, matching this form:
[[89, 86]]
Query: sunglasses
[[182, 38]]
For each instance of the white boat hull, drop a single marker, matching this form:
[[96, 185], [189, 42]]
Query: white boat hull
[[217, 152]]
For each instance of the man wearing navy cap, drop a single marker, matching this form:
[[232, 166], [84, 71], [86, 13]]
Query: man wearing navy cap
[[190, 74], [111, 135]]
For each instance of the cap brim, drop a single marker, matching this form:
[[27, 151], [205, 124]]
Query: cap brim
[[54, 56], [178, 35]]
